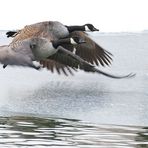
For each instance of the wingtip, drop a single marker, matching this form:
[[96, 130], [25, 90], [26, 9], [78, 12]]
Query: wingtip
[[128, 76]]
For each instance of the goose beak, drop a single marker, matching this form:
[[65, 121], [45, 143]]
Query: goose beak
[[95, 29]]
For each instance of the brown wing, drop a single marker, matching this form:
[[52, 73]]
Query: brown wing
[[61, 61], [34, 30], [65, 59], [52, 65], [90, 51], [68, 58]]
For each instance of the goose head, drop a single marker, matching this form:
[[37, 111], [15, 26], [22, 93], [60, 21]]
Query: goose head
[[86, 27], [76, 40], [90, 27], [68, 41]]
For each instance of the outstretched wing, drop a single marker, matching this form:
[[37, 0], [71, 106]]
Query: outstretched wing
[[90, 51], [53, 65], [68, 58]]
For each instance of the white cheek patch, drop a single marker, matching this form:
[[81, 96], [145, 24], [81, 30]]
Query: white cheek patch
[[87, 29], [72, 41], [74, 50], [78, 66]]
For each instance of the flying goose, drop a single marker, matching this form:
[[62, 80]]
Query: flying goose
[[32, 49], [53, 30], [90, 52], [55, 26], [35, 49], [50, 29]]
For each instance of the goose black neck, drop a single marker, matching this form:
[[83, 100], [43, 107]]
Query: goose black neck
[[75, 28], [60, 42]]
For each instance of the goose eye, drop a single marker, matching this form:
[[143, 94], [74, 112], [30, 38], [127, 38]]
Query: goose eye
[[32, 46]]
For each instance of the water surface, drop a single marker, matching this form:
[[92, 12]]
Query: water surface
[[40, 109], [22, 131]]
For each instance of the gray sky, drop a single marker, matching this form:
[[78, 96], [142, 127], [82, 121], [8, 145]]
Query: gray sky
[[107, 15]]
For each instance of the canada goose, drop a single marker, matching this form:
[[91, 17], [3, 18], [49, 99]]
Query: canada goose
[[90, 52], [34, 49], [24, 54], [86, 27], [51, 30]]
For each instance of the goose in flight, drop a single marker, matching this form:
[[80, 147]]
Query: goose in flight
[[90, 51], [53, 30], [34, 49]]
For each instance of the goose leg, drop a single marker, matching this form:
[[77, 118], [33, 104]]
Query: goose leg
[[34, 66]]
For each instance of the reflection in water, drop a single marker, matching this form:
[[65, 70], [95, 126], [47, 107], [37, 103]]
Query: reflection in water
[[80, 99], [33, 131], [68, 99], [143, 136]]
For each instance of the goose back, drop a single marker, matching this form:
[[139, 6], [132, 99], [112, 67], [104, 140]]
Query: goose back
[[49, 29]]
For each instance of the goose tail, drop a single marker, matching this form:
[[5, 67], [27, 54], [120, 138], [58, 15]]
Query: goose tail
[[11, 33]]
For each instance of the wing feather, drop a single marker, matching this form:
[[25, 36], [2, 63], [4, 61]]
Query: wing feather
[[52, 64], [91, 51]]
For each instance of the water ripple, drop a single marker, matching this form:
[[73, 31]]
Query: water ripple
[[21, 131]]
